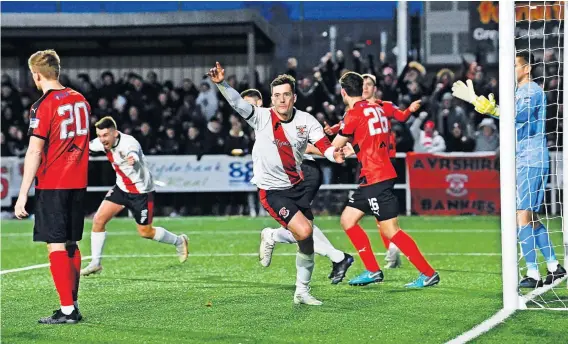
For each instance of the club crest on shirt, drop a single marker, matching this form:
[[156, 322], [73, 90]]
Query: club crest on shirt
[[302, 130], [284, 212]]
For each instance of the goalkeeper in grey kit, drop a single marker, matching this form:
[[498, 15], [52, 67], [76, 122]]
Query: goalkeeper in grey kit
[[532, 165]]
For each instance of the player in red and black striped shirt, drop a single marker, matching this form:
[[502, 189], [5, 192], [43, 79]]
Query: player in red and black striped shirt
[[57, 158], [367, 127]]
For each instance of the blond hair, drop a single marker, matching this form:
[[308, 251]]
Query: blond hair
[[106, 123], [46, 63]]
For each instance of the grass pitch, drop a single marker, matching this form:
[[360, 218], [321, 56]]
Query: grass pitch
[[222, 294]]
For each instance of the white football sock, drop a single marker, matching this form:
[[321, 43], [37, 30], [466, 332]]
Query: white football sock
[[323, 247], [392, 246], [304, 269], [283, 235], [67, 309], [97, 245], [534, 274], [552, 265], [164, 236]]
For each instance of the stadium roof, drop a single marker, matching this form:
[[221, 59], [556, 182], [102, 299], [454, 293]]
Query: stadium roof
[[136, 33]]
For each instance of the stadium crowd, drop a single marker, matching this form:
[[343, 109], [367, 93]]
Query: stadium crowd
[[191, 118]]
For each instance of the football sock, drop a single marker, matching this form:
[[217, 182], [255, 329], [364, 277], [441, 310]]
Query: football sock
[[164, 236], [283, 235], [67, 309], [542, 239], [304, 269], [75, 258], [360, 240], [410, 250], [97, 245], [61, 271], [323, 247], [528, 249]]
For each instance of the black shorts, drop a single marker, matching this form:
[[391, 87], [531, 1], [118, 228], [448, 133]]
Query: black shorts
[[377, 198], [59, 215], [282, 205], [312, 178], [141, 205]]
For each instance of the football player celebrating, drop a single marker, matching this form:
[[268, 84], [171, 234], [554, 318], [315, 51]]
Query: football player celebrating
[[134, 190]]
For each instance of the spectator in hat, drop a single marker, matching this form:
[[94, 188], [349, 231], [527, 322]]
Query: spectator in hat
[[426, 140], [487, 137]]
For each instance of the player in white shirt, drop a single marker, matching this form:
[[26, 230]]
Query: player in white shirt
[[341, 261], [134, 190], [282, 135]]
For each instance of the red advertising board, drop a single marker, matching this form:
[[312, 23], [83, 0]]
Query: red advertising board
[[445, 184]]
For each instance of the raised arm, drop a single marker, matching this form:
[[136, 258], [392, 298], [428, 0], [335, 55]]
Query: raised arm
[[244, 109]]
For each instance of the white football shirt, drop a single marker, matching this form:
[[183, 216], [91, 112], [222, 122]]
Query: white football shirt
[[132, 179]]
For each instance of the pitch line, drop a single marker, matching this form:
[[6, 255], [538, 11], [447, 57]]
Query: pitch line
[[483, 327], [284, 254], [238, 232]]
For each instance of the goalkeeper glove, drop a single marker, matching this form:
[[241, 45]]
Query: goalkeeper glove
[[486, 106], [463, 91]]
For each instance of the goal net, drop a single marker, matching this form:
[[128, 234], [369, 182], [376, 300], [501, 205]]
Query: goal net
[[539, 31]]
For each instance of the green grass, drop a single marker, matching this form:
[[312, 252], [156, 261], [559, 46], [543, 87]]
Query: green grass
[[157, 300]]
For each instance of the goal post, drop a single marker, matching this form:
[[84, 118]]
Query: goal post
[[537, 27], [507, 135]]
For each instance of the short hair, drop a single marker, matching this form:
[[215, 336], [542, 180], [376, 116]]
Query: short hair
[[46, 63], [106, 122], [352, 83], [251, 92], [370, 76], [526, 55], [284, 79]]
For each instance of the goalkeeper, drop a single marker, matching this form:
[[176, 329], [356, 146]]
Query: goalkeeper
[[532, 165]]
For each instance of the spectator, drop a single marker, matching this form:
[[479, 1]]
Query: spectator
[[487, 138], [5, 151], [458, 141], [207, 100], [427, 140], [168, 145], [16, 144], [146, 139], [447, 114], [194, 143], [291, 66], [214, 142], [237, 142], [188, 89], [109, 88]]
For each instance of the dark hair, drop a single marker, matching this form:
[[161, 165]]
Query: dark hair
[[284, 79], [106, 123], [370, 77], [251, 92], [527, 56], [352, 83]]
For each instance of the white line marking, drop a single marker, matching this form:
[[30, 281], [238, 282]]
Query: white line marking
[[482, 328], [239, 232], [111, 256], [503, 314]]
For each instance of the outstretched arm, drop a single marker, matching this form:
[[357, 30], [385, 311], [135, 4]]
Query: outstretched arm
[[217, 75]]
